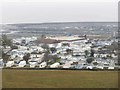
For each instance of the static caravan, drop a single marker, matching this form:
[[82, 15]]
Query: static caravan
[[110, 67], [43, 65], [9, 63], [89, 67], [55, 65], [22, 64], [33, 64]]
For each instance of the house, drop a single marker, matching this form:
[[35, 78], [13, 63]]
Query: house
[[43, 65]]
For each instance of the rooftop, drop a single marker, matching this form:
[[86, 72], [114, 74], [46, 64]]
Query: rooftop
[[67, 38]]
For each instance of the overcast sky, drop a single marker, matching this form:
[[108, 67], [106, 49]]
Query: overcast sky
[[62, 11]]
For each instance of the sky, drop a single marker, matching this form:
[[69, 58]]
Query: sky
[[41, 11]]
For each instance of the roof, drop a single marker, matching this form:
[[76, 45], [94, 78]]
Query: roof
[[47, 41], [66, 38], [50, 40], [105, 52]]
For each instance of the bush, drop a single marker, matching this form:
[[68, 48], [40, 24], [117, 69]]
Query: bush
[[90, 59]]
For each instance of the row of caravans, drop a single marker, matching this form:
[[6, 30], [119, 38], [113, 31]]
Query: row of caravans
[[23, 63], [12, 63], [33, 64]]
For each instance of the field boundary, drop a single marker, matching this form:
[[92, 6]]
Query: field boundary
[[62, 69]]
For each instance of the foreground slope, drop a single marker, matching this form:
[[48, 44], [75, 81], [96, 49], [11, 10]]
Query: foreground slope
[[59, 79]]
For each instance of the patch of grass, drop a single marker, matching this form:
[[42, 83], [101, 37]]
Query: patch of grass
[[59, 79]]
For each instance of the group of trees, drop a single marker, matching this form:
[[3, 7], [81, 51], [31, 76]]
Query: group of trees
[[47, 57], [46, 47], [5, 57], [90, 57], [113, 46], [92, 52], [53, 49], [26, 57], [50, 58], [6, 41], [69, 51]]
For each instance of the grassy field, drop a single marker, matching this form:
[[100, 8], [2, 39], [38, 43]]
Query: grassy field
[[59, 79]]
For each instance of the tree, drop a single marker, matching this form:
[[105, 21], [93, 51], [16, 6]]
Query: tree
[[86, 53], [109, 56], [113, 46], [53, 59], [14, 47], [5, 57], [26, 57], [90, 59], [45, 46], [6, 41], [95, 63], [53, 49], [43, 36], [68, 51], [46, 57], [92, 53]]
